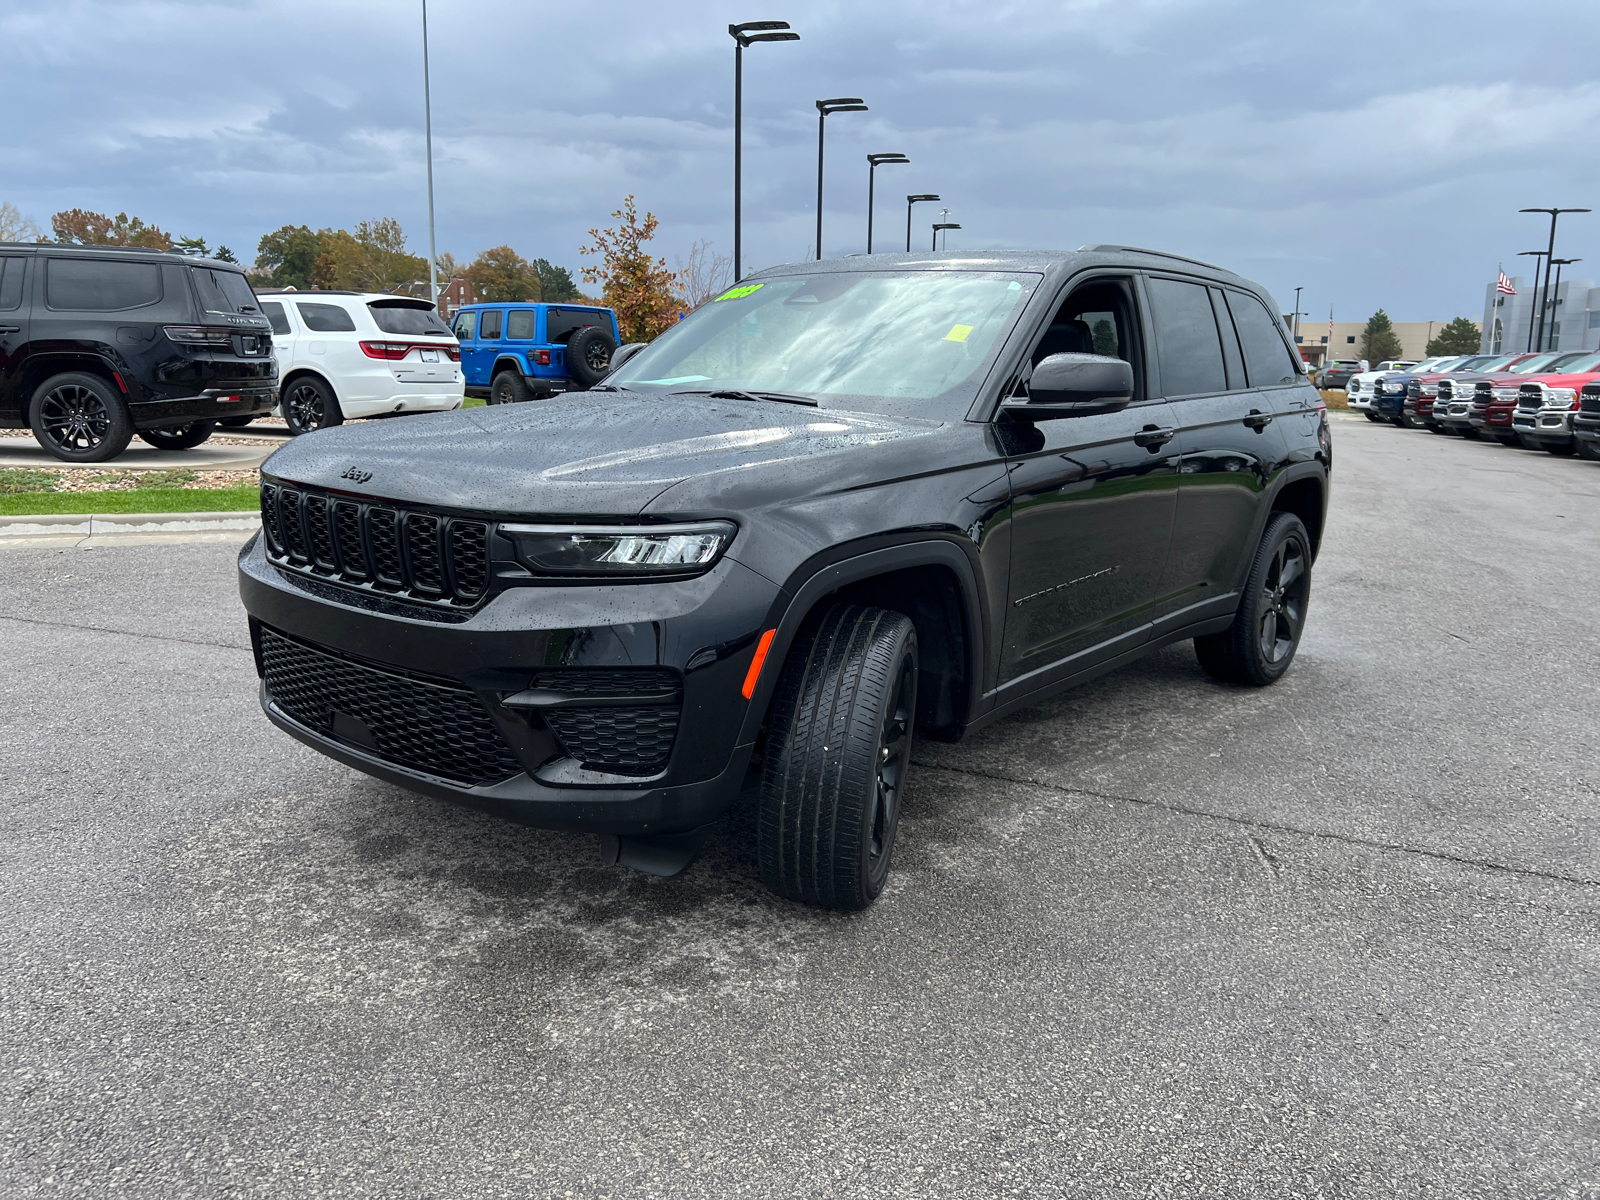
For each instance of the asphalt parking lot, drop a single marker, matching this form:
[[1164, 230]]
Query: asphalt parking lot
[[1159, 937]]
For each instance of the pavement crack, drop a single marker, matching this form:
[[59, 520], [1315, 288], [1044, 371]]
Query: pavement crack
[[1253, 823], [155, 637]]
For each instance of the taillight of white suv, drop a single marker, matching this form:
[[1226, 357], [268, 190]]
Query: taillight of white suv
[[394, 351]]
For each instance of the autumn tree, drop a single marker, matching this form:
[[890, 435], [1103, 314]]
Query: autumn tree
[[79, 227], [372, 259], [642, 290], [1379, 342], [288, 255], [555, 283], [1460, 336], [14, 227], [500, 274]]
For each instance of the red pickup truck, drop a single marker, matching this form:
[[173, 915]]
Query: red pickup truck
[[1493, 398], [1542, 419]]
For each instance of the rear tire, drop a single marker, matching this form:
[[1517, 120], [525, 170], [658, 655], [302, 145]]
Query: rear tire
[[508, 388], [1261, 643], [589, 355], [178, 437], [308, 404], [79, 418], [838, 748]]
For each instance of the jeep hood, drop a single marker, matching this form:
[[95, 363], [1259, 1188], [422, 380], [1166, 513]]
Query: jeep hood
[[590, 453]]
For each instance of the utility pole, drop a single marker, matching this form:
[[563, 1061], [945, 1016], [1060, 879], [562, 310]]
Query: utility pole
[[1549, 253], [744, 35]]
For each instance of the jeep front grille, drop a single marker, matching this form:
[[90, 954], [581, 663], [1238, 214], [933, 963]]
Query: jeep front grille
[[422, 556], [430, 726]]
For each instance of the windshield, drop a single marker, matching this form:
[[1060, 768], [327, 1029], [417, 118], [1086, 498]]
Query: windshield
[[224, 291], [1536, 363], [1580, 365], [898, 339]]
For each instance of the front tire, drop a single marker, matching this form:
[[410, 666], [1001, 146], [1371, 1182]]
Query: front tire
[[1586, 450], [178, 437], [838, 748], [308, 405], [79, 419], [1261, 643]]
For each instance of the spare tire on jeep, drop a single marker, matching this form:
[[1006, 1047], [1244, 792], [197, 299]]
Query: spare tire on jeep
[[589, 354]]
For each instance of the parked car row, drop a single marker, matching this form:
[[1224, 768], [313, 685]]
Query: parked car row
[[102, 344], [1548, 401]]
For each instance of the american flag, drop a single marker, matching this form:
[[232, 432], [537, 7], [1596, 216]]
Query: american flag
[[1505, 285]]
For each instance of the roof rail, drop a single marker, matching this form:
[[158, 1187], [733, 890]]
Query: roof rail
[[1109, 246]]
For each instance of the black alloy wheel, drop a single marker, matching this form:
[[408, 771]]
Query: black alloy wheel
[[78, 418], [508, 388], [1261, 643], [309, 405], [838, 750], [178, 437]]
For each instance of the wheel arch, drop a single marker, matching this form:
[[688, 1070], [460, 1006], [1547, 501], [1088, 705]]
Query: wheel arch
[[303, 373], [506, 362], [1306, 496], [39, 368], [933, 583]]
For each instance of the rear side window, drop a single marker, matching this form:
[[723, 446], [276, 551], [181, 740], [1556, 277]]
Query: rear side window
[[489, 326], [88, 285], [325, 318], [274, 313], [519, 325], [223, 291], [1266, 356], [560, 323], [465, 323], [11, 270], [1187, 345], [407, 319]]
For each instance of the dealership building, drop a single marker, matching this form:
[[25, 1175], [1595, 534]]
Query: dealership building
[[1318, 345], [1572, 322]]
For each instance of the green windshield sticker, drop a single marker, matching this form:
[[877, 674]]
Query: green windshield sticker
[[738, 293]]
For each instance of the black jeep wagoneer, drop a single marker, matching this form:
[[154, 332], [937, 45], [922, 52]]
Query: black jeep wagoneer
[[844, 502]]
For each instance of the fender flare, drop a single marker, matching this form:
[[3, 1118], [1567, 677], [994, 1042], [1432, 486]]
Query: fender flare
[[511, 362], [797, 602], [299, 371]]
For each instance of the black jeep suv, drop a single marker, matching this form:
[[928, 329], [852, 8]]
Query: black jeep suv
[[843, 502], [100, 343]]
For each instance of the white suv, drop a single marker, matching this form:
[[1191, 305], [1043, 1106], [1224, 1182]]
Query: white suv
[[360, 354]]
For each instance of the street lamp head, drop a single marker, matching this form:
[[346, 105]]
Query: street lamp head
[[1565, 262], [921, 198], [879, 159], [1553, 211], [841, 104], [758, 31], [946, 225]]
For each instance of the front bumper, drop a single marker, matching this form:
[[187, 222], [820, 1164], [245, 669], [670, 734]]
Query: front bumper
[[703, 629], [1547, 426]]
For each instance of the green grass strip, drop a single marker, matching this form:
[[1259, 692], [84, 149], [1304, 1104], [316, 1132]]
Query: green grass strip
[[141, 500]]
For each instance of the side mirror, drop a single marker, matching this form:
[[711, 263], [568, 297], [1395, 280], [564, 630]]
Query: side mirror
[[1073, 385], [623, 353]]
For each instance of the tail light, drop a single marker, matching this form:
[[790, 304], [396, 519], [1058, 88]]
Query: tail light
[[198, 335], [453, 350], [390, 350], [541, 357]]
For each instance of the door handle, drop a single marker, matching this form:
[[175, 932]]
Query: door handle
[[1258, 420], [10, 328], [1153, 437]]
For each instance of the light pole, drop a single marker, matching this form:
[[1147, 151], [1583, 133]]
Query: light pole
[[826, 108], [1550, 253], [1538, 263], [942, 225], [427, 125], [744, 35], [874, 161], [1555, 296], [910, 200]]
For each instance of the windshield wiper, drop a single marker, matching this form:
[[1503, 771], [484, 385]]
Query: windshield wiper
[[741, 394]]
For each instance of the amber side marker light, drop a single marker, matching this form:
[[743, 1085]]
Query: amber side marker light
[[754, 672]]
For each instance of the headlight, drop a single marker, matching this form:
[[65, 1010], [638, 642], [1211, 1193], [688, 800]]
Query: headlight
[[619, 549], [1559, 395]]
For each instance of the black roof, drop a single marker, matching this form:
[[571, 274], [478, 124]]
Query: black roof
[[144, 252]]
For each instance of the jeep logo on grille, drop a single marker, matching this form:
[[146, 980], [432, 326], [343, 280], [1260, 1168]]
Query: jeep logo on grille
[[356, 474]]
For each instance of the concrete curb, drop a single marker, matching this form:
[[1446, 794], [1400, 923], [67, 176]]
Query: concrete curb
[[123, 524]]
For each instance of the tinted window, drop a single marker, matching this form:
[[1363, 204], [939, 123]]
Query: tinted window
[[464, 325], [407, 319], [519, 325], [1232, 354], [274, 313], [489, 326], [86, 285], [1266, 357], [326, 318], [11, 270], [1187, 345], [223, 291], [560, 324]]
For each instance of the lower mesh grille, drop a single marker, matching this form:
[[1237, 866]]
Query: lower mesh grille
[[433, 728], [621, 741]]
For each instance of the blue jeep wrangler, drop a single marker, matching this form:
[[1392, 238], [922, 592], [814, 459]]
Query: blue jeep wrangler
[[523, 351]]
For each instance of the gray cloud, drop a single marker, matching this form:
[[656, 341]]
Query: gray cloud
[[1377, 156]]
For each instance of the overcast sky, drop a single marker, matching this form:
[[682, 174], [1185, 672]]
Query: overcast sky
[[1374, 152]]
